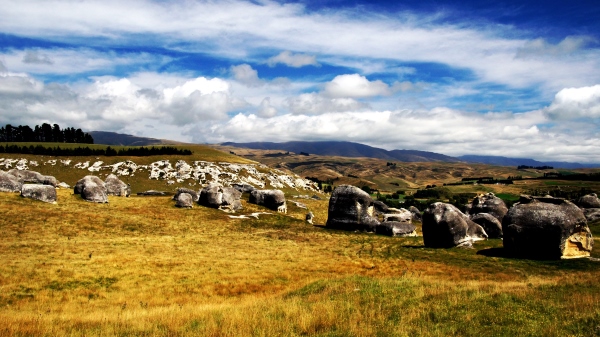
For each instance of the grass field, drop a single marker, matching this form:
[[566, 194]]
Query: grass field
[[141, 267]]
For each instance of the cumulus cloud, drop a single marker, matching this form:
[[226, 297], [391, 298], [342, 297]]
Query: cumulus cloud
[[355, 86], [293, 60], [113, 103], [572, 103], [245, 74], [266, 109], [314, 104]]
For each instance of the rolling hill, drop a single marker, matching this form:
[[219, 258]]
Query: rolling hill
[[113, 138], [506, 161], [348, 149]]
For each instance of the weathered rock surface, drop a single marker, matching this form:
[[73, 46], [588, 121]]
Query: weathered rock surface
[[445, 226], [244, 188], [490, 224], [45, 193], [400, 215], [33, 177], [224, 198], [396, 228], [380, 207], [9, 183], [489, 203], [351, 208], [592, 214], [152, 193], [589, 201], [63, 185], [271, 199], [546, 228], [184, 200], [195, 195], [114, 186], [415, 213], [91, 189]]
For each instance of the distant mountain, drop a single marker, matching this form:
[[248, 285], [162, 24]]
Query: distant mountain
[[347, 149], [113, 138], [505, 161]]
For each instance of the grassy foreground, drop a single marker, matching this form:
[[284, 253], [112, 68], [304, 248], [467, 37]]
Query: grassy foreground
[[141, 267]]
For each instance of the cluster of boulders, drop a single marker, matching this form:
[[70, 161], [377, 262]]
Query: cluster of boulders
[[196, 172], [534, 227], [228, 199], [590, 204], [353, 209], [93, 189], [30, 184]]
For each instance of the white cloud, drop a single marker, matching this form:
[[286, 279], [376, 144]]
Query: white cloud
[[237, 28], [245, 74], [293, 60], [76, 60], [315, 104], [540, 47], [112, 104], [355, 86], [266, 109], [572, 103], [37, 58]]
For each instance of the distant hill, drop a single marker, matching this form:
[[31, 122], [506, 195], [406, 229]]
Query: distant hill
[[348, 149], [505, 161], [113, 138]]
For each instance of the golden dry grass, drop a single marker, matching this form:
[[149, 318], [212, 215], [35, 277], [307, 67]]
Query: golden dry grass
[[140, 266]]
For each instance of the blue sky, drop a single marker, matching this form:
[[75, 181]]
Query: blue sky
[[508, 78]]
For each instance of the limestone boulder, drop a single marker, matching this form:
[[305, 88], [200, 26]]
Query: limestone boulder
[[152, 193], [396, 228], [114, 186], [195, 195], [445, 226], [400, 215], [272, 199], [416, 214], [490, 224], [9, 183], [589, 201], [216, 196], [27, 176], [91, 188], [184, 200], [546, 228], [489, 203], [45, 193], [352, 209], [592, 214], [380, 207], [63, 185], [244, 188]]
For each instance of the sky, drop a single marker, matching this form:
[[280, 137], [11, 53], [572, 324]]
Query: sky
[[502, 78]]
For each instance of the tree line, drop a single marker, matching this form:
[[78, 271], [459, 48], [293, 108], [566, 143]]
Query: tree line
[[86, 151], [45, 133]]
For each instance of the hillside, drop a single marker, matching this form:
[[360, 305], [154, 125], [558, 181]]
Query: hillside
[[347, 149], [113, 138], [158, 172], [506, 161]]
